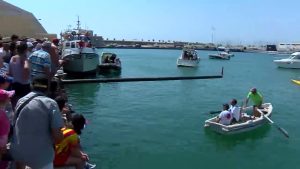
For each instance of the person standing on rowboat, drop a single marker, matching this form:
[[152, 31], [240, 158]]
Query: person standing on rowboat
[[257, 99], [235, 111]]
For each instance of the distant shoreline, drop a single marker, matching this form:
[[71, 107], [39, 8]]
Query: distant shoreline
[[170, 48]]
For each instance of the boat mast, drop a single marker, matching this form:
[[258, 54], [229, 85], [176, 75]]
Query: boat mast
[[78, 23]]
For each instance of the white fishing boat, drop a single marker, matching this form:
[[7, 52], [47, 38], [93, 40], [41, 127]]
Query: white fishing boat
[[221, 55], [109, 63], [292, 62], [247, 123], [188, 58], [79, 56]]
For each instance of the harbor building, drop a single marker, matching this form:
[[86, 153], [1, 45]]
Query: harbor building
[[15, 20]]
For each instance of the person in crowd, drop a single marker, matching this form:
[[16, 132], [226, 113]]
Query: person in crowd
[[225, 117], [12, 52], [41, 62], [257, 100], [54, 54], [30, 48], [4, 123], [235, 111], [37, 127], [4, 67], [5, 82], [68, 151], [14, 38], [5, 52], [64, 109], [19, 69]]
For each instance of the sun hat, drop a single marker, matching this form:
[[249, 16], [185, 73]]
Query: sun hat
[[29, 45], [4, 94]]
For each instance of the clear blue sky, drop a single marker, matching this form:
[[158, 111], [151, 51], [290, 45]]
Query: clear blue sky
[[234, 21]]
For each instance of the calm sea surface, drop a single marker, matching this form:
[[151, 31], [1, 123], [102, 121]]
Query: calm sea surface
[[159, 125]]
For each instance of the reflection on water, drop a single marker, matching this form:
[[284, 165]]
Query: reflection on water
[[230, 141], [82, 95]]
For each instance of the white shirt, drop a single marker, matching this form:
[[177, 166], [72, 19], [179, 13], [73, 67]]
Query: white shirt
[[2, 52], [225, 117], [235, 111]]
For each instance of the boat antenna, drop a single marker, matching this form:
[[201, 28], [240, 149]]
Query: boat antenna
[[78, 23]]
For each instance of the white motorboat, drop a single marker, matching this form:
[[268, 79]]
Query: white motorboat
[[221, 55], [109, 63], [79, 56], [247, 123], [188, 58], [292, 62]]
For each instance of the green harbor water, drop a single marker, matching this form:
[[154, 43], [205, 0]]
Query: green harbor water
[[159, 125]]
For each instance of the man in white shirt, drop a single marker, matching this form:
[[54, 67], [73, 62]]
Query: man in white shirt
[[225, 117], [235, 111]]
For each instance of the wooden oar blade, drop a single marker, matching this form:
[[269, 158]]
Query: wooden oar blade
[[214, 112], [283, 131]]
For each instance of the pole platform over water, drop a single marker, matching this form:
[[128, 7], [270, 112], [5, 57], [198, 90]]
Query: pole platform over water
[[139, 79]]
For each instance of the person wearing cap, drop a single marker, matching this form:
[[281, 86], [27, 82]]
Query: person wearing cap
[[68, 152], [4, 123], [225, 117], [19, 69], [30, 48], [37, 127], [257, 100]]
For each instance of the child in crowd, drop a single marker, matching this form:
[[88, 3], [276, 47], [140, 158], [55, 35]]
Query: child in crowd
[[68, 151], [4, 123]]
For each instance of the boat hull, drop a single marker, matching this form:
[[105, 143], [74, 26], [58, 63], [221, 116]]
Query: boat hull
[[80, 61], [297, 82], [239, 127], [287, 64], [188, 63], [219, 57]]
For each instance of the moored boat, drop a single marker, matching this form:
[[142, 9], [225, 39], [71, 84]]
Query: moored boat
[[292, 62], [109, 63], [188, 58], [78, 53], [247, 123], [221, 55]]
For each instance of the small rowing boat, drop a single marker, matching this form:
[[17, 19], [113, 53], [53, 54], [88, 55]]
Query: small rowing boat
[[297, 82], [247, 122]]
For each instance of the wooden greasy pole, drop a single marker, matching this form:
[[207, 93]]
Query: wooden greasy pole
[[140, 79]]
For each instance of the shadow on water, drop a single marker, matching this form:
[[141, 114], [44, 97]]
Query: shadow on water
[[230, 141], [83, 94]]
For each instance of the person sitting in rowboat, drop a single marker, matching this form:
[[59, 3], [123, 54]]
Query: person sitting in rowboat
[[257, 99], [225, 117], [235, 111]]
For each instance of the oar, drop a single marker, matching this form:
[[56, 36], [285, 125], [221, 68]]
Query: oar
[[282, 130], [215, 112]]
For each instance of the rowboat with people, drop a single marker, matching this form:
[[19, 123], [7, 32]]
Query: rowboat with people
[[247, 122], [109, 63]]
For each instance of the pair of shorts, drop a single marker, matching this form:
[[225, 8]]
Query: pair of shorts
[[3, 141], [61, 159]]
